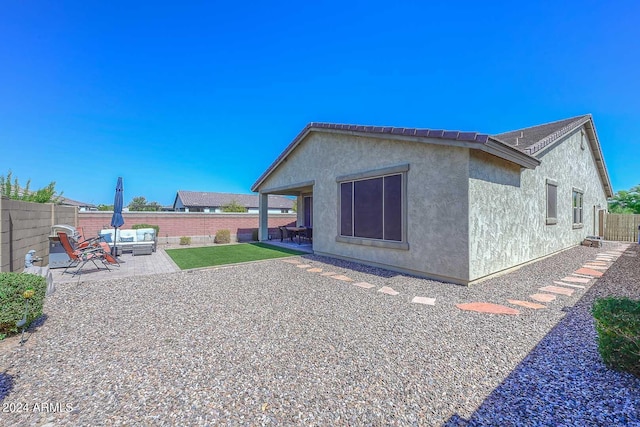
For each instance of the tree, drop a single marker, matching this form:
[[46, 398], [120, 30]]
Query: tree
[[626, 201], [140, 204], [295, 206], [233, 206], [105, 207], [14, 191]]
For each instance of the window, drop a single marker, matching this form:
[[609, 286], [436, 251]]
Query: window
[[552, 202], [577, 207], [372, 208]]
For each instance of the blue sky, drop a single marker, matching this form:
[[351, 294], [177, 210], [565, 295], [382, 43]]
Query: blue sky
[[204, 95]]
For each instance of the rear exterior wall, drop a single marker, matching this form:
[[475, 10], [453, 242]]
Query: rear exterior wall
[[436, 199], [507, 213]]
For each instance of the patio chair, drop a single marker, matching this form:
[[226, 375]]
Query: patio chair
[[284, 234], [80, 257]]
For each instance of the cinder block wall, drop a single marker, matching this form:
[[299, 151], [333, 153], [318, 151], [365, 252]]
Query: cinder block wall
[[201, 227], [25, 226]]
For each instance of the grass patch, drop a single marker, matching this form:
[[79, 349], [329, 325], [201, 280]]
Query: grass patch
[[209, 256]]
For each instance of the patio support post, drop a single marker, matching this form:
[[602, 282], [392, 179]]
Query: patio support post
[[263, 213], [300, 216]]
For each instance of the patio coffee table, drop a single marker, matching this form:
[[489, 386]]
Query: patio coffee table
[[142, 249]]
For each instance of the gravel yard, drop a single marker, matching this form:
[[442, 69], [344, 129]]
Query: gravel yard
[[269, 343]]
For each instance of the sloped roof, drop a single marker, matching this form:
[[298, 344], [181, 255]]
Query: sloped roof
[[71, 202], [209, 199], [528, 142], [533, 139], [472, 140]]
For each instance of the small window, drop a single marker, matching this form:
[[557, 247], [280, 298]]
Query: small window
[[577, 207], [552, 202]]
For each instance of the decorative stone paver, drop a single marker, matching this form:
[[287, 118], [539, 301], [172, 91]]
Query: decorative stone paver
[[527, 304], [329, 273], [487, 307], [314, 270], [364, 285], [542, 297], [343, 278], [387, 290], [569, 284], [575, 279], [600, 263], [303, 265], [584, 276], [596, 267], [291, 261], [424, 300], [558, 290], [589, 272]]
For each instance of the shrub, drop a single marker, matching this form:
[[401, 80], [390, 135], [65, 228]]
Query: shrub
[[185, 240], [254, 235], [618, 327], [223, 236], [156, 227], [12, 301]]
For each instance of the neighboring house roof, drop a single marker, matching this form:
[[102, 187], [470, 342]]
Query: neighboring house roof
[[70, 202], [207, 199], [518, 146]]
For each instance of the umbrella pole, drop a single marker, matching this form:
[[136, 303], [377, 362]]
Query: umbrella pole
[[114, 248]]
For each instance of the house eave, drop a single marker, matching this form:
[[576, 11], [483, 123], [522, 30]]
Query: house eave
[[469, 140], [507, 152]]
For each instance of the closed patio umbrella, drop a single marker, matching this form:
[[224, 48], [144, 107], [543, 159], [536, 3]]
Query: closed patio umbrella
[[117, 220]]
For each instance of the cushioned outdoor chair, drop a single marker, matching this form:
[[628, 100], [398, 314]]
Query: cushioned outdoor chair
[[81, 256]]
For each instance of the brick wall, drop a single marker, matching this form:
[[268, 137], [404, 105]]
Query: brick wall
[[201, 227]]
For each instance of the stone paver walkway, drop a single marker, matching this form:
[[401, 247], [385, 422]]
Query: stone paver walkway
[[577, 281]]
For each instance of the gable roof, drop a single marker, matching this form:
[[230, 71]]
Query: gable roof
[[527, 142], [535, 139], [209, 199], [473, 140]]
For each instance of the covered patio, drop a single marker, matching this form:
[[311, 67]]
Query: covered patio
[[304, 197]]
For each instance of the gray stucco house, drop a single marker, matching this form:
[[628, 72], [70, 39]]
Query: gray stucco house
[[449, 205]]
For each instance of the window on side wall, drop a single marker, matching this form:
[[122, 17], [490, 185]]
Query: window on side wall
[[577, 196], [371, 210], [552, 201]]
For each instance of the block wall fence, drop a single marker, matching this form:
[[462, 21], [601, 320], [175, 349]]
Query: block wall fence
[[201, 227], [25, 226]]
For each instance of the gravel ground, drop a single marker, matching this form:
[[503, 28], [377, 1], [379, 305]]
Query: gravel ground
[[270, 344]]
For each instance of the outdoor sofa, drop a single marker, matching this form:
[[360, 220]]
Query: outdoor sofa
[[142, 241]]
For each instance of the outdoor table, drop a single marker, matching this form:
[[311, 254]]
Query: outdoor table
[[296, 231]]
